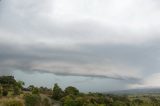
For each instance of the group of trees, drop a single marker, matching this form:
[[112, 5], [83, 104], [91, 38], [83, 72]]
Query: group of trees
[[58, 93], [36, 90], [72, 97], [31, 97], [8, 83]]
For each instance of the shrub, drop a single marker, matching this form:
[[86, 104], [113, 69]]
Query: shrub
[[32, 100], [4, 93], [35, 91], [46, 102], [16, 90], [69, 101], [119, 103]]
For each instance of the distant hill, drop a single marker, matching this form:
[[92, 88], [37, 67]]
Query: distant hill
[[137, 91]]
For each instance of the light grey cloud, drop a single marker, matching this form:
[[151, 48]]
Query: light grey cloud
[[57, 27]]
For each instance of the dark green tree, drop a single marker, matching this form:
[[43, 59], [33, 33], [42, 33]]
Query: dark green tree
[[7, 82], [71, 91], [57, 92]]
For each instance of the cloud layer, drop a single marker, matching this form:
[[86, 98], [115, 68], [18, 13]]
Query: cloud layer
[[108, 38]]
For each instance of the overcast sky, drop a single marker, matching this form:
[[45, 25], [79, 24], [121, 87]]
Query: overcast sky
[[95, 45]]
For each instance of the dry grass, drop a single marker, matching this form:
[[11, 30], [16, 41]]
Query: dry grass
[[11, 101]]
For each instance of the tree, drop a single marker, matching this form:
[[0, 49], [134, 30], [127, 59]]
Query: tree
[[20, 84], [31, 87], [7, 82], [57, 92], [71, 90], [45, 90], [18, 87]]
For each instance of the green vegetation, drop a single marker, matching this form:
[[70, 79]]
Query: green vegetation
[[35, 91], [13, 93], [46, 102], [32, 100], [57, 92], [71, 91]]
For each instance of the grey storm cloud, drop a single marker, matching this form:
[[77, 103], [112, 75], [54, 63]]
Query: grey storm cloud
[[88, 60], [70, 38]]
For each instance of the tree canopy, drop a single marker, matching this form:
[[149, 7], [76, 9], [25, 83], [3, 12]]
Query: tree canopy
[[71, 90], [7, 80], [57, 92]]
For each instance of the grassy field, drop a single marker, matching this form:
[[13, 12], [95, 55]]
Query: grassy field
[[12, 101]]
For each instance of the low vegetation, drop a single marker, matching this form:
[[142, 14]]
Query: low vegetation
[[11, 102], [13, 93]]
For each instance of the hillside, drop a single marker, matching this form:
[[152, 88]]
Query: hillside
[[13, 93]]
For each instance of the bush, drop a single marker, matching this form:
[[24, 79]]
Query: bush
[[35, 91], [16, 90], [4, 93], [119, 103], [12, 103], [32, 100], [70, 100], [46, 102]]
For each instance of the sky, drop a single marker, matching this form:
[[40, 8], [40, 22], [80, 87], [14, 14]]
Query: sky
[[94, 45]]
